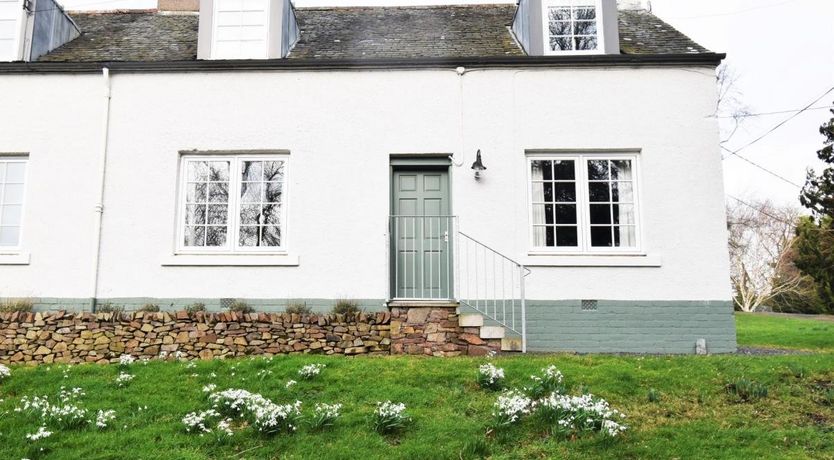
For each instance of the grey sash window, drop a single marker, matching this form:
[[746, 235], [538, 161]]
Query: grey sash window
[[12, 178]]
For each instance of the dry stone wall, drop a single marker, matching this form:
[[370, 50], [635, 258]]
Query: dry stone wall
[[63, 337]]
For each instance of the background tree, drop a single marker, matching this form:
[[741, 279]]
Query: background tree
[[760, 242], [818, 193]]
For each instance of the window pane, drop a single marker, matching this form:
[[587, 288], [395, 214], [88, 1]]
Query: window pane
[[567, 237], [542, 214], [271, 236], [539, 236], [565, 192], [252, 171], [195, 193], [198, 171], [549, 236], [563, 170], [249, 236], [13, 194], [598, 170], [561, 43], [600, 214], [218, 171], [541, 170], [623, 214], [9, 236], [625, 237], [15, 172], [218, 192], [598, 191], [622, 192], [273, 192], [586, 43], [274, 170], [272, 214], [250, 214], [621, 170], [195, 236], [251, 192], [559, 14], [601, 236], [216, 236], [538, 192], [218, 214], [559, 28], [10, 214], [585, 13], [195, 214], [585, 28], [566, 214]]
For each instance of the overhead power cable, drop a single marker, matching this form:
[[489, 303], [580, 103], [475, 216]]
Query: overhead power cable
[[760, 114], [757, 209], [782, 178]]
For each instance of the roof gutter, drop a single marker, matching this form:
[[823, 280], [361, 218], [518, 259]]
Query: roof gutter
[[613, 60]]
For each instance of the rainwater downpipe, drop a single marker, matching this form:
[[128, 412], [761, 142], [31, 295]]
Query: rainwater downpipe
[[99, 208]]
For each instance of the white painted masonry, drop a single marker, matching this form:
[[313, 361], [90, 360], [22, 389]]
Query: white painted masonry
[[340, 128]]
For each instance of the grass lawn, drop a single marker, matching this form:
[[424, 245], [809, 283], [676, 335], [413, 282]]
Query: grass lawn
[[784, 332], [694, 417]]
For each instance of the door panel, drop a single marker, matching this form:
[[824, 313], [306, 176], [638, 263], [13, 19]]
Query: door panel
[[421, 231]]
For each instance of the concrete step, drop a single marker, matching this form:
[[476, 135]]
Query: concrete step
[[492, 332], [511, 344], [471, 320]]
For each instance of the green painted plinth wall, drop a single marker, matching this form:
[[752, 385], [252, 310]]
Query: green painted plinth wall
[[630, 326]]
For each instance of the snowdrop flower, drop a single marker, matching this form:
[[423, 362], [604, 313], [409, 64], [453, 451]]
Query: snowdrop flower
[[124, 379], [490, 376], [104, 417], [290, 384], [5, 372], [510, 407], [126, 360], [40, 434], [311, 370], [209, 388]]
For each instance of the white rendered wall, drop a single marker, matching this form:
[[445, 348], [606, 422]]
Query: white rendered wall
[[340, 128]]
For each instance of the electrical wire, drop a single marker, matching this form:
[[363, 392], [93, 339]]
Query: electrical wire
[[760, 211], [764, 169], [746, 115]]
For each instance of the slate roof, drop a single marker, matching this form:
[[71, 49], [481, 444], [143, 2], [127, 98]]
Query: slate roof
[[349, 33]]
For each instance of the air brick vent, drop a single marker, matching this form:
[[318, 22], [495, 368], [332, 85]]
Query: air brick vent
[[589, 305]]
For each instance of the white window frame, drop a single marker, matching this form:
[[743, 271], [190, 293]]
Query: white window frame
[[583, 205], [215, 27], [547, 4], [232, 225], [17, 249]]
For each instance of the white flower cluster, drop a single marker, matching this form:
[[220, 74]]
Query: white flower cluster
[[581, 413], [311, 370], [552, 373], [489, 375], [4, 372], [330, 411], [198, 421], [510, 407], [123, 379], [40, 434], [209, 388], [265, 415], [290, 384], [388, 409], [103, 417], [126, 360], [65, 413]]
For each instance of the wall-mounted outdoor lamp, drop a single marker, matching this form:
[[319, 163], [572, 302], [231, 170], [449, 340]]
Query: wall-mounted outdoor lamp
[[478, 165]]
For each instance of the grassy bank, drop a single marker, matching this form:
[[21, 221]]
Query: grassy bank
[[693, 417]]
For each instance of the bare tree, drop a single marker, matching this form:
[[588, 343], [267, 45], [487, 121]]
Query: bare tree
[[761, 237], [730, 104]]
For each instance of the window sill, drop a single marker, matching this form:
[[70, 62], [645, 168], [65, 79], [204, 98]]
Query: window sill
[[585, 260], [224, 260], [14, 258]]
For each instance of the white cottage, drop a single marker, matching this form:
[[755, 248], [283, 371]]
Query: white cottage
[[552, 165]]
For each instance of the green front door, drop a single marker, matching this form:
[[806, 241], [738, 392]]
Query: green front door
[[421, 235]]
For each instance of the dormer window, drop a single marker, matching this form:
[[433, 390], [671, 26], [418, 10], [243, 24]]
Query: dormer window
[[572, 26], [240, 29]]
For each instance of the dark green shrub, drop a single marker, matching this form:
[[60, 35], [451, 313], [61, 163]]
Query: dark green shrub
[[108, 307], [298, 308], [149, 308], [746, 390], [653, 396], [195, 307], [239, 306], [12, 305], [346, 306]]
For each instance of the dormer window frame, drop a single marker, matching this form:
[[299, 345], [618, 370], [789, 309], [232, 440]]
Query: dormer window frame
[[598, 18], [216, 26]]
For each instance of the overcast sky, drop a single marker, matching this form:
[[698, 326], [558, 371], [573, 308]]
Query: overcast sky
[[782, 51]]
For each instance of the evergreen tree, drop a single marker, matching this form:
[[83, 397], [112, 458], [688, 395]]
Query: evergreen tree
[[818, 193]]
